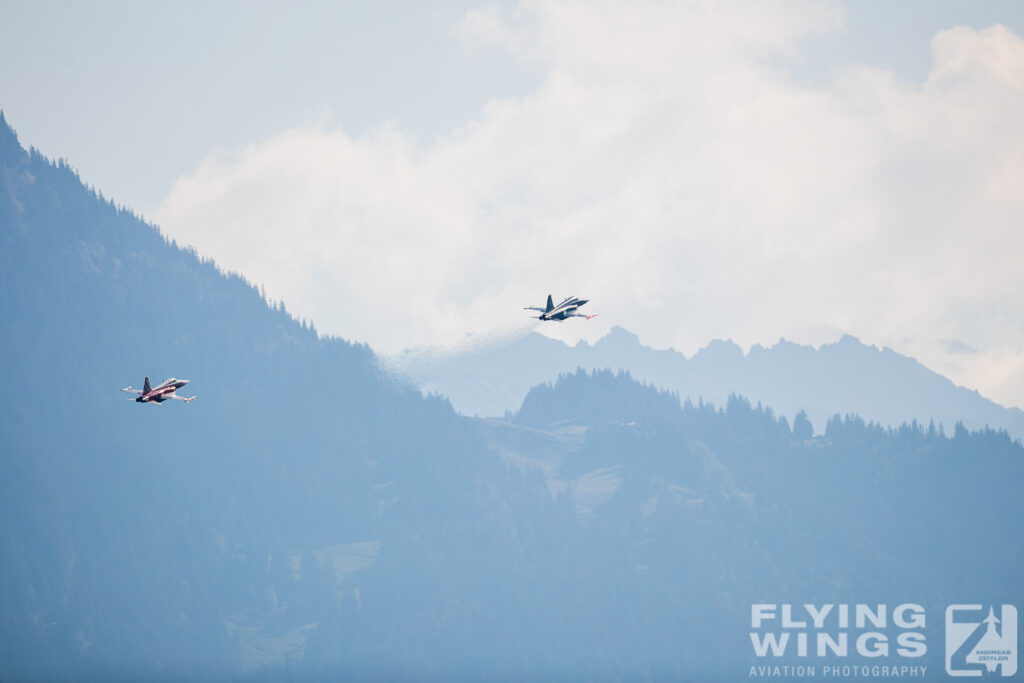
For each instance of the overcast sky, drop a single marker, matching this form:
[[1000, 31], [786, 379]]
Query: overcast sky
[[409, 175]]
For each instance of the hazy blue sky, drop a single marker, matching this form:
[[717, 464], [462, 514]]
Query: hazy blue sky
[[405, 173], [135, 94]]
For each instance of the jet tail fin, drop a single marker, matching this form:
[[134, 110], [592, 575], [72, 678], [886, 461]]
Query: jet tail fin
[[551, 304], [146, 388]]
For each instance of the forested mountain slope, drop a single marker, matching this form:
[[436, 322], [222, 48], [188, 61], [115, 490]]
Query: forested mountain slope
[[309, 517]]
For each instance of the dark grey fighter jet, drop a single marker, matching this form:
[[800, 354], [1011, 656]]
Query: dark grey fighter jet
[[566, 309], [160, 392]]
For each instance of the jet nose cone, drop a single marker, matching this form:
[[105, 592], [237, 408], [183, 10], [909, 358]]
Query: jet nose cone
[[583, 301]]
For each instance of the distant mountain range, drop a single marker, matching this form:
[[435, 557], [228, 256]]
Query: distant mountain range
[[846, 377], [312, 517]]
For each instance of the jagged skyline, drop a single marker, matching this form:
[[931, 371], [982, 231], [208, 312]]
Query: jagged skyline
[[844, 377], [312, 518], [802, 171]]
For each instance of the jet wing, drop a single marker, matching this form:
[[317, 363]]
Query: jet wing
[[131, 391], [186, 399]]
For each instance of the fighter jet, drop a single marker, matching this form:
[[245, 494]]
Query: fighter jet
[[160, 392], [566, 309]]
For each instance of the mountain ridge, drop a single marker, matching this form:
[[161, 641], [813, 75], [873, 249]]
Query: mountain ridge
[[311, 518], [845, 376]]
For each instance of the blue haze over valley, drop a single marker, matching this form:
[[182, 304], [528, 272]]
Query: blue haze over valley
[[313, 516]]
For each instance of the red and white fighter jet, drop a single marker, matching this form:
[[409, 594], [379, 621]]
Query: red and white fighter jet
[[160, 392]]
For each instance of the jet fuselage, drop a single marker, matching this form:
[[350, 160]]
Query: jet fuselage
[[162, 391], [567, 309]]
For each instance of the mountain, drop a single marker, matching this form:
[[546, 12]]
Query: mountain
[[700, 512], [306, 508], [310, 517], [846, 377]]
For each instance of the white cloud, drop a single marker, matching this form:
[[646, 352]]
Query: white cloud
[[669, 167]]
